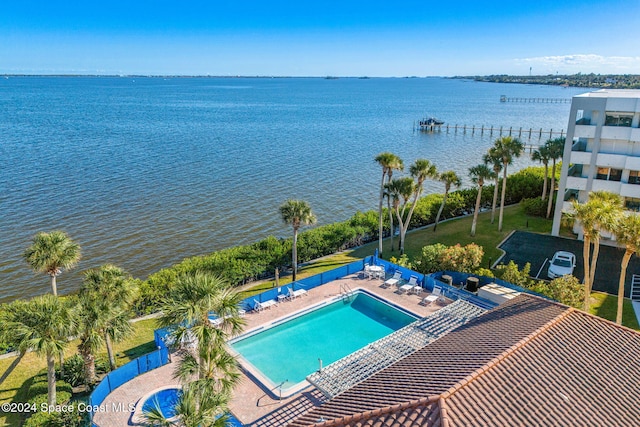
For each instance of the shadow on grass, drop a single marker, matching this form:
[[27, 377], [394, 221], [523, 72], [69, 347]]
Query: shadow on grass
[[139, 350]]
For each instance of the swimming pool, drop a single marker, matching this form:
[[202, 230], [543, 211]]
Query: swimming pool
[[290, 350]]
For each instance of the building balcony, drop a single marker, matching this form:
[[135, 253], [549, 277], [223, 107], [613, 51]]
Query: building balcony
[[580, 158], [603, 185], [585, 131], [620, 133], [616, 161], [632, 163], [575, 170], [630, 190], [576, 183]]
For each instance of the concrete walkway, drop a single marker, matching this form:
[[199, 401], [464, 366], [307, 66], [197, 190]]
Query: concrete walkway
[[251, 403]]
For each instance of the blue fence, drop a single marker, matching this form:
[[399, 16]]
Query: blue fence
[[116, 378], [307, 283]]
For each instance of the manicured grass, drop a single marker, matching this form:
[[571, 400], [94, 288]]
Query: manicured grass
[[15, 387], [458, 231], [606, 306]]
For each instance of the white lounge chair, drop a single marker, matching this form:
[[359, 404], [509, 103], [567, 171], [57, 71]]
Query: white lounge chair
[[295, 294], [259, 306], [413, 281], [394, 280], [436, 295]]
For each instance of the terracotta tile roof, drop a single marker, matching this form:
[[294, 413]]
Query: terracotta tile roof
[[529, 362]]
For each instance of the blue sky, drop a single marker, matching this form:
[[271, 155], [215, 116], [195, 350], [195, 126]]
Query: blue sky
[[303, 38]]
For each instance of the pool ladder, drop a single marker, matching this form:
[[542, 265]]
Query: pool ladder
[[346, 292]]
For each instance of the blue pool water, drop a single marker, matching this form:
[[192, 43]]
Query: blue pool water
[[290, 351], [164, 400]]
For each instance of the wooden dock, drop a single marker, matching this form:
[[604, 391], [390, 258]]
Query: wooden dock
[[504, 98], [520, 133]]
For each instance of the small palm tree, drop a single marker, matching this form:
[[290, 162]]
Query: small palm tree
[[555, 149], [296, 213], [389, 162], [598, 213], [52, 252], [490, 159], [542, 155], [42, 325], [449, 178], [479, 174], [627, 231], [506, 149], [104, 307], [187, 309], [197, 406], [401, 190]]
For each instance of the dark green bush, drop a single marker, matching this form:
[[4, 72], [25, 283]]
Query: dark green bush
[[535, 207], [73, 371]]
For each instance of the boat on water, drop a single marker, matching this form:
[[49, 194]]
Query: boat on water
[[430, 123]]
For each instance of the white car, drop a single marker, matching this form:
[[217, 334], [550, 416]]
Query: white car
[[561, 264]]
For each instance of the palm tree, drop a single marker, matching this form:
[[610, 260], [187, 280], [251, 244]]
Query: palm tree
[[555, 148], [389, 162], [196, 407], [479, 174], [627, 231], [104, 306], [296, 213], [542, 155], [506, 149], [401, 190], [449, 178], [607, 207], [190, 303], [490, 159], [42, 325], [52, 252], [598, 210]]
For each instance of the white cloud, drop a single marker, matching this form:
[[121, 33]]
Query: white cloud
[[582, 63]]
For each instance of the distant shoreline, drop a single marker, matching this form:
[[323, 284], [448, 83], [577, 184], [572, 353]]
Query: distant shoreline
[[592, 81]]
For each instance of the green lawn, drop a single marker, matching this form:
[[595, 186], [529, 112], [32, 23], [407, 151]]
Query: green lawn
[[458, 231], [15, 387], [606, 306]]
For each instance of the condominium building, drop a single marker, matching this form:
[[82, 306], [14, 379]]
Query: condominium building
[[602, 150]]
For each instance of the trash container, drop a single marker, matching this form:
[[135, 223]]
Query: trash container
[[447, 279], [472, 284]]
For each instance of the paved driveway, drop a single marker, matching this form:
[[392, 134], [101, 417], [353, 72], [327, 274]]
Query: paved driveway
[[523, 247]]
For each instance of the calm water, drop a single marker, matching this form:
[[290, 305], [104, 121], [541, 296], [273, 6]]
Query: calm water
[[290, 351], [143, 172]]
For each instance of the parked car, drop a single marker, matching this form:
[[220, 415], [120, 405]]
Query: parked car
[[562, 263]]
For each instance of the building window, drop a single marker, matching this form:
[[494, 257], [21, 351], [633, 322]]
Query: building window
[[609, 174], [632, 204], [634, 177], [613, 119]]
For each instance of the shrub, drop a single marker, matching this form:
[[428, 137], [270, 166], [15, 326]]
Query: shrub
[[429, 260], [567, 290], [535, 207], [510, 273], [73, 371], [465, 259], [438, 257]]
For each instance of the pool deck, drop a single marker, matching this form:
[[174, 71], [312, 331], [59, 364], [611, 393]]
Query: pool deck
[[250, 403]]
